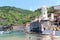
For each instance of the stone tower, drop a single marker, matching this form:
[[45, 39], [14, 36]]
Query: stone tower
[[44, 14], [44, 19]]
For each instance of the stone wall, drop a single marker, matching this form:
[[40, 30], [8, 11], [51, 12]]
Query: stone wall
[[49, 37], [19, 27]]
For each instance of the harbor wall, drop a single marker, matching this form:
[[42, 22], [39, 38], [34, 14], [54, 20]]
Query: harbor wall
[[49, 37]]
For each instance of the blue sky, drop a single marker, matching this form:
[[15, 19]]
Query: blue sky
[[29, 4]]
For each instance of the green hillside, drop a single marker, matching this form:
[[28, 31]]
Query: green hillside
[[12, 15]]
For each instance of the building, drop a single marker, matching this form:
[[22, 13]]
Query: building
[[44, 15], [35, 26], [27, 28], [41, 23], [56, 10], [46, 21]]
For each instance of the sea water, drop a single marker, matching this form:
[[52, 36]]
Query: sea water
[[18, 36]]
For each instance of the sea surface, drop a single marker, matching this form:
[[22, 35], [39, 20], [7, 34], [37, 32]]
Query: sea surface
[[18, 35]]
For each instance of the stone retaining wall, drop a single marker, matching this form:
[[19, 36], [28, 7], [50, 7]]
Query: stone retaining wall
[[49, 37]]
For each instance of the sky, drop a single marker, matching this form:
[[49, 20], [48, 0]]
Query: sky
[[29, 4]]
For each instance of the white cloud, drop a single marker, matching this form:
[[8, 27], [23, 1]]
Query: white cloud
[[31, 9]]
